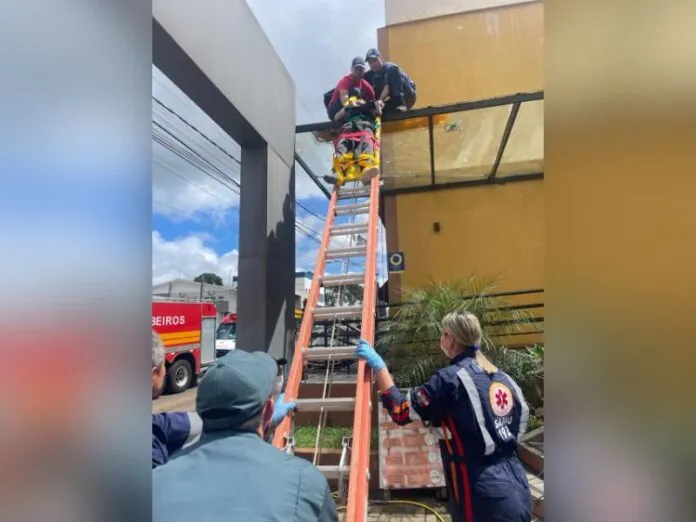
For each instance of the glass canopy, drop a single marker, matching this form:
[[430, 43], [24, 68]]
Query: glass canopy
[[469, 143]]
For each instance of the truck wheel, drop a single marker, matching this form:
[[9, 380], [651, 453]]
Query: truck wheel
[[179, 376]]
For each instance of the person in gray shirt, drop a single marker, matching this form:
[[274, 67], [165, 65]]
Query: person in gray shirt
[[231, 473]]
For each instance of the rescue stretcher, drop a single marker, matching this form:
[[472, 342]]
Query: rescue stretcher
[[354, 165]]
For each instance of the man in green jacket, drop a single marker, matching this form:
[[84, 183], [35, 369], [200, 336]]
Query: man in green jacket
[[231, 473]]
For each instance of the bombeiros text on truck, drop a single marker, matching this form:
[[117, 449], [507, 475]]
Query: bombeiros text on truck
[[187, 329], [192, 337]]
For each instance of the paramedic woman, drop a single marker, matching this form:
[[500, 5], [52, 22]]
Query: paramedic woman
[[481, 414]]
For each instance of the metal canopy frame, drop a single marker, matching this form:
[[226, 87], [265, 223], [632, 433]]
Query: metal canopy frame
[[516, 100], [312, 175]]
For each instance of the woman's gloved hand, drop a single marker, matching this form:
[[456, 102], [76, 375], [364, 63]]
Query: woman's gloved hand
[[281, 409], [366, 352]]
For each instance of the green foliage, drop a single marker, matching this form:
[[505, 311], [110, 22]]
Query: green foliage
[[331, 436], [534, 423], [410, 343], [208, 278], [526, 367]]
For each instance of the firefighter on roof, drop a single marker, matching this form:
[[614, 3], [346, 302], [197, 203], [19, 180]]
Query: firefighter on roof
[[481, 414]]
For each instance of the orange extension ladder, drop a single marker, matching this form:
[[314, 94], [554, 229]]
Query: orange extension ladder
[[365, 201]]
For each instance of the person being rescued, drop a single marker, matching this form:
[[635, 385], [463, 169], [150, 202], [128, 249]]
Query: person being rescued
[[356, 150], [481, 414]]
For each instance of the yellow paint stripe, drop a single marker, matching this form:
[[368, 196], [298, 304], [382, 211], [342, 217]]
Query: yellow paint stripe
[[177, 342], [178, 335], [183, 340]]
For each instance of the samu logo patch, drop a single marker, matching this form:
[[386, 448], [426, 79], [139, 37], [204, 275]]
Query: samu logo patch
[[501, 399]]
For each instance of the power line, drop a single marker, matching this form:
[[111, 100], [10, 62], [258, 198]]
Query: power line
[[195, 128], [178, 93], [192, 153], [315, 234], [201, 133], [193, 158], [158, 114], [203, 189], [309, 211], [174, 208], [302, 227]]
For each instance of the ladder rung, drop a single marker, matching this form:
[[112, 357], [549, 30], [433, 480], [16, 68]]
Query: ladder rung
[[349, 230], [343, 279], [352, 210], [338, 312], [337, 253], [334, 472], [349, 193], [327, 353], [327, 404]]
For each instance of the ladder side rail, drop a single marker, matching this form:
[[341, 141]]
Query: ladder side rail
[[360, 458], [282, 432]]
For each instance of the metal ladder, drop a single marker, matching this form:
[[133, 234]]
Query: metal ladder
[[355, 457]]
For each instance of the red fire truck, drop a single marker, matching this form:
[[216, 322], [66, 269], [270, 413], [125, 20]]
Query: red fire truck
[[187, 329]]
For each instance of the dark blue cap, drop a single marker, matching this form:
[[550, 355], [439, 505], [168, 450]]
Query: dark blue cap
[[235, 388], [372, 54], [358, 62]]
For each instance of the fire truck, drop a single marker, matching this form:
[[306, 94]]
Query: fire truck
[[187, 328]]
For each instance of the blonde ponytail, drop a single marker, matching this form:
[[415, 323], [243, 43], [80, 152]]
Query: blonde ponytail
[[466, 330]]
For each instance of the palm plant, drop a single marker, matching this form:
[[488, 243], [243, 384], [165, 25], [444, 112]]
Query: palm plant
[[410, 342]]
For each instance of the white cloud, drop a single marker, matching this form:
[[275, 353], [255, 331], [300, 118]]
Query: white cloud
[[189, 256]]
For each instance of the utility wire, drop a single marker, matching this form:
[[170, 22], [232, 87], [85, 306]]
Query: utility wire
[[174, 208], [187, 180], [193, 158], [309, 211], [215, 174], [196, 155], [190, 214], [186, 122], [206, 145]]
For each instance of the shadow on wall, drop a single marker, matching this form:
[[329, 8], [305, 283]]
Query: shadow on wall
[[280, 241]]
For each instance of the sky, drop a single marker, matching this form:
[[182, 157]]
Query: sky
[[195, 164]]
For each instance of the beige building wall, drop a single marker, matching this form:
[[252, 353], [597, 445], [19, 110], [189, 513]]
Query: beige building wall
[[402, 11]]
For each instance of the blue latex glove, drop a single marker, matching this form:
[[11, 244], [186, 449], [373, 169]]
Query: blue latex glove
[[281, 409], [372, 358]]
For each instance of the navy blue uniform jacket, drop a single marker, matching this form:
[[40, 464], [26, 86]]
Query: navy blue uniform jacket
[[481, 417]]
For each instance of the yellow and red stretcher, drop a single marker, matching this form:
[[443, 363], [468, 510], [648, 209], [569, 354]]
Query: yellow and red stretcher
[[349, 168]]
